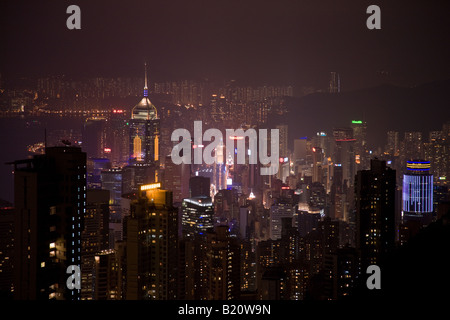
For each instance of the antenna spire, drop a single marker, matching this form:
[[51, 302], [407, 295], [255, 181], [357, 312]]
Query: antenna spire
[[145, 83]]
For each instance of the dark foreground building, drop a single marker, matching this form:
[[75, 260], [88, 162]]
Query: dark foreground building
[[50, 200]]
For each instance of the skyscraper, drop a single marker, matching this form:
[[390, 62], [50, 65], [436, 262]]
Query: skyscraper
[[6, 250], [50, 201], [375, 212], [412, 146], [278, 211], [344, 153], [176, 178], [417, 194], [197, 216], [393, 143], [222, 265], [94, 137], [199, 186], [361, 153], [437, 152], [335, 83], [94, 238], [144, 130], [106, 271], [112, 181], [152, 245], [117, 138]]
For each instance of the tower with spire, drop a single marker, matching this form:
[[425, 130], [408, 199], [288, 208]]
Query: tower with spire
[[144, 129]]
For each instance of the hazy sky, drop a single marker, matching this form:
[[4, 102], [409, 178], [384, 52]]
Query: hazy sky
[[278, 41]]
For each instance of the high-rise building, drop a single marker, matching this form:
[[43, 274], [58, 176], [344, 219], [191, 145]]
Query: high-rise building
[[334, 85], [307, 222], [197, 216], [436, 150], [192, 276], [248, 266], [152, 245], [117, 134], [342, 268], [50, 201], [176, 178], [94, 238], [283, 131], [199, 186], [360, 147], [393, 143], [278, 211], [273, 284], [344, 153], [417, 193], [106, 275], [223, 265], [299, 150], [375, 212], [6, 250], [412, 146], [94, 137], [137, 174], [95, 166], [144, 130], [226, 206], [112, 181]]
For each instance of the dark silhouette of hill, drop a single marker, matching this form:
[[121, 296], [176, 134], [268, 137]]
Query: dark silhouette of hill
[[421, 268], [421, 108], [417, 271]]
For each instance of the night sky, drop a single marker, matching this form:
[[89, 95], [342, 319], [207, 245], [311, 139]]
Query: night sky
[[273, 42]]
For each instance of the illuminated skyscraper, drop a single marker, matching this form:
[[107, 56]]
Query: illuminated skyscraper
[[144, 130], [417, 196]]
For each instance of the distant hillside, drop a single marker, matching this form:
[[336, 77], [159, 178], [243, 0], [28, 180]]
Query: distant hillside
[[422, 108]]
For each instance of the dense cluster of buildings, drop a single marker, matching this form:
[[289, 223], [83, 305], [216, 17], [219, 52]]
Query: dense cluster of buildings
[[141, 227]]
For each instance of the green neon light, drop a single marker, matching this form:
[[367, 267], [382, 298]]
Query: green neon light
[[357, 121]]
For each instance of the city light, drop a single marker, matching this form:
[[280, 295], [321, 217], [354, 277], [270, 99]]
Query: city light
[[158, 179], [150, 186]]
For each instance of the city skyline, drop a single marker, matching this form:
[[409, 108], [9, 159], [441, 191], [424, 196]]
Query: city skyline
[[247, 151]]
